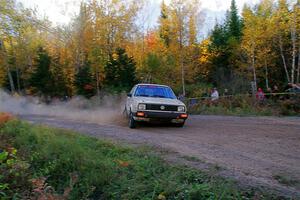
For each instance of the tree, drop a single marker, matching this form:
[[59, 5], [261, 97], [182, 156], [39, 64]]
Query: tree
[[101, 27], [41, 82], [84, 81], [295, 37], [183, 31], [225, 44], [20, 35], [234, 22], [58, 78], [120, 71], [281, 22], [165, 24], [297, 20]]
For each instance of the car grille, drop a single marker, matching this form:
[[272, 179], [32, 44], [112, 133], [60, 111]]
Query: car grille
[[161, 107]]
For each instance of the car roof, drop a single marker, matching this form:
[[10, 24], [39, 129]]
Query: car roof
[[146, 84]]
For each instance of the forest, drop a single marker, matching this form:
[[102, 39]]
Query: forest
[[108, 48]]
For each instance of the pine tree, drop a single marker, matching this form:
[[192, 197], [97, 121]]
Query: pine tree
[[41, 77], [234, 22], [84, 81], [225, 39], [58, 78], [164, 21], [120, 71]]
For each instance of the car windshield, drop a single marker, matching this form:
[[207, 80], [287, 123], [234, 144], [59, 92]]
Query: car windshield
[[154, 91]]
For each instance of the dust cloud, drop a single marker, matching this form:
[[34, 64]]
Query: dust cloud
[[105, 110]]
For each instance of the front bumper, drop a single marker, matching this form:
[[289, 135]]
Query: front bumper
[[160, 116]]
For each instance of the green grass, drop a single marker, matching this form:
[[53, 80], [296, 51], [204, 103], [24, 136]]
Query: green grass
[[105, 170], [192, 158], [287, 180]]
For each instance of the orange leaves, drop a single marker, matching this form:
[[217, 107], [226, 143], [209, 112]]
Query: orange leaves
[[43, 191], [88, 87], [123, 163], [5, 117], [151, 40], [115, 56]]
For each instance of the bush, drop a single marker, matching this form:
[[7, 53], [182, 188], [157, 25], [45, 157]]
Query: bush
[[14, 173], [246, 105], [5, 117]]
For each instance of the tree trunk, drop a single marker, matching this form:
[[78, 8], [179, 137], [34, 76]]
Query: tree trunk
[[267, 74], [293, 37], [283, 59], [181, 53], [10, 78], [254, 70], [298, 70], [11, 81], [182, 75], [18, 80], [97, 83]]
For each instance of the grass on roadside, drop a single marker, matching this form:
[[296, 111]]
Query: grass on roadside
[[247, 106], [58, 163], [287, 180]]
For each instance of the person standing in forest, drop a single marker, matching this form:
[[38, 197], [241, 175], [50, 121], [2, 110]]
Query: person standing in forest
[[260, 95], [214, 94], [274, 93]]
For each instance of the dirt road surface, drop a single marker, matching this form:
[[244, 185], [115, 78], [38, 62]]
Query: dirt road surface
[[260, 152]]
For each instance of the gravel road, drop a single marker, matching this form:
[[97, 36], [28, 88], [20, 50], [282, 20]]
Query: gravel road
[[261, 152]]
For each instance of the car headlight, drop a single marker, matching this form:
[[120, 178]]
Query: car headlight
[[142, 106], [181, 109]]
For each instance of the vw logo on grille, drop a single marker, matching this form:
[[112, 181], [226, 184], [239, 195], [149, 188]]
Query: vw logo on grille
[[162, 107]]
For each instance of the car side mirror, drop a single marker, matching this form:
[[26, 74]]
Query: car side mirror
[[129, 95]]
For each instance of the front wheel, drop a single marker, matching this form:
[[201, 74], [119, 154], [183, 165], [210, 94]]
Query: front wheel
[[132, 122]]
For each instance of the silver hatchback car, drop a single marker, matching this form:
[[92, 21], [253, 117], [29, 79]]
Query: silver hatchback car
[[152, 102]]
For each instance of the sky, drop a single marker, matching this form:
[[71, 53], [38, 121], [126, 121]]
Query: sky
[[61, 11]]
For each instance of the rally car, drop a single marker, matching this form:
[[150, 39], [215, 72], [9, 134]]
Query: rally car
[[152, 102]]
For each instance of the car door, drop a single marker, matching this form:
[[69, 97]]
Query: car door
[[129, 100]]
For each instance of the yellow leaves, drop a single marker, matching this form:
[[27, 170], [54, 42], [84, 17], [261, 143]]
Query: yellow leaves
[[115, 56], [2, 73], [161, 196], [203, 58], [205, 54]]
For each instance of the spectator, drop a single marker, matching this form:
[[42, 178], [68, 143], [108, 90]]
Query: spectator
[[181, 97], [260, 95], [275, 91], [214, 94], [226, 93]]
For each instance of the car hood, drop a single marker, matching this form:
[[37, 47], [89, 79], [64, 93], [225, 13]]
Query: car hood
[[152, 100]]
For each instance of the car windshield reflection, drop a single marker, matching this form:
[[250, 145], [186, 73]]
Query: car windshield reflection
[[154, 92]]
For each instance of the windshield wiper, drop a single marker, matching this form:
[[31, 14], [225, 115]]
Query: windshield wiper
[[142, 95], [159, 96]]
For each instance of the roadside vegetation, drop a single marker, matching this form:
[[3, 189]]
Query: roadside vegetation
[[245, 105], [38, 162]]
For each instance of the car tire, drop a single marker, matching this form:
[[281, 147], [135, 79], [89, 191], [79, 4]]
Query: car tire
[[132, 122]]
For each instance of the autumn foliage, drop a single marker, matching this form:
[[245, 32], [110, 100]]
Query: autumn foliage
[[5, 117], [260, 47]]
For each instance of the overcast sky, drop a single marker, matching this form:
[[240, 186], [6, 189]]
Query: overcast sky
[[61, 11]]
